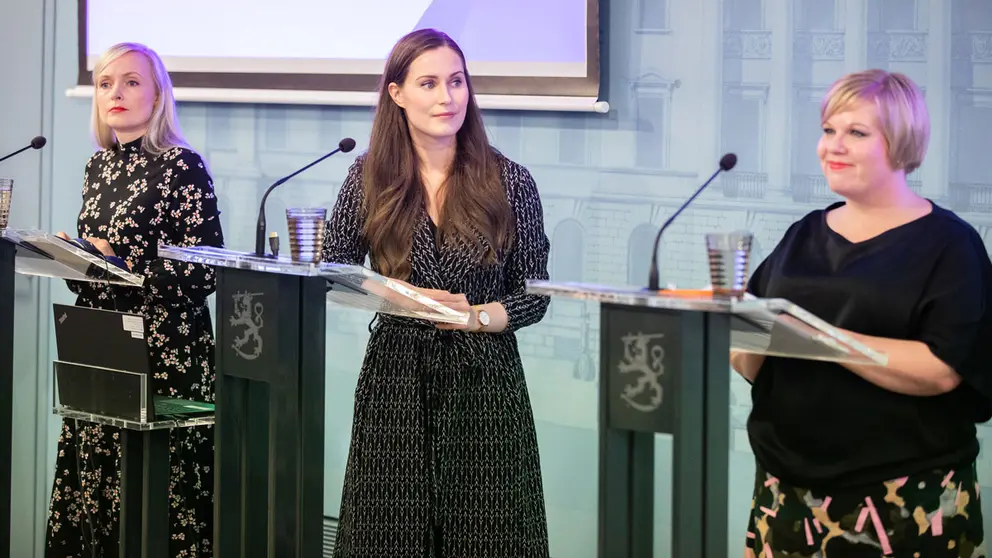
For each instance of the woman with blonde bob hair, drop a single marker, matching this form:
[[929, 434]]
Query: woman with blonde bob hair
[[162, 126], [145, 187], [856, 460]]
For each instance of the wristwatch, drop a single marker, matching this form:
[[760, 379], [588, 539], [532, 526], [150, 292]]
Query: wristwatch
[[482, 317]]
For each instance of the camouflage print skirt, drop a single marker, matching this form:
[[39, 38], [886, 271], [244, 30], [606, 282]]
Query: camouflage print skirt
[[931, 515]]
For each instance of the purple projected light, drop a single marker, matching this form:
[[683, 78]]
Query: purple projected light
[[512, 30], [230, 35]]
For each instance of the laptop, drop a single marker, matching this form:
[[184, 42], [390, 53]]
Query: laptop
[[102, 356]]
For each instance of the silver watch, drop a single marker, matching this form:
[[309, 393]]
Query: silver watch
[[483, 317]]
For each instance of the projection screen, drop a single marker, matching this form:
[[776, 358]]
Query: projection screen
[[522, 54]]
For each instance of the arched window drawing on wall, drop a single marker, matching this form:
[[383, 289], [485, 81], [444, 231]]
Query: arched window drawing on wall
[[571, 342], [639, 255]]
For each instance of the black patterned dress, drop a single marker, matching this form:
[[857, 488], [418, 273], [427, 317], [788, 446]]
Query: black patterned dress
[[136, 201], [444, 459]]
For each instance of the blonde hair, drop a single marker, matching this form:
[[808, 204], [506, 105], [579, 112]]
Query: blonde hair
[[902, 112], [163, 131]]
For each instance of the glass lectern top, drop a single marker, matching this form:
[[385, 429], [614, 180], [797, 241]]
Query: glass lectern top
[[774, 327], [221, 257], [46, 255], [632, 296], [353, 286], [358, 287]]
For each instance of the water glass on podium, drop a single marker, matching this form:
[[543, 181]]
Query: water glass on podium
[[6, 192], [306, 233], [730, 258]]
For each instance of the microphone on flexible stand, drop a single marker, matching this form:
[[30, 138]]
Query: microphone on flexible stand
[[727, 162], [36, 143], [344, 146]]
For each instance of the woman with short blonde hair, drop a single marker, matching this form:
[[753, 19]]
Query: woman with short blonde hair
[[856, 460], [162, 128], [901, 112]]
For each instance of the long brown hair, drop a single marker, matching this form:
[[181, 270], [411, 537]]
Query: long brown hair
[[475, 210]]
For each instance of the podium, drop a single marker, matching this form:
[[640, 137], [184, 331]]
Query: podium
[[40, 254], [269, 419], [665, 368], [143, 529]]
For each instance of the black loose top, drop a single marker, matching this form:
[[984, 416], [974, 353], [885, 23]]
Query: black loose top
[[818, 424]]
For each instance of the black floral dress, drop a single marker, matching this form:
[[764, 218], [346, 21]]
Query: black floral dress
[[444, 459], [137, 201]]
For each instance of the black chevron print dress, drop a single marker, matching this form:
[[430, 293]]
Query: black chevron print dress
[[443, 460]]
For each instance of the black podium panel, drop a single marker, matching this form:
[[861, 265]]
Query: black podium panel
[[663, 371], [270, 409]]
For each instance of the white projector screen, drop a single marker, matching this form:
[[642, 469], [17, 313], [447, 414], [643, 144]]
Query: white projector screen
[[539, 54]]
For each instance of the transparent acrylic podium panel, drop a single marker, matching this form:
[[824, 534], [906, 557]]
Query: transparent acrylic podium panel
[[164, 424], [774, 327], [113, 397], [43, 254], [353, 286]]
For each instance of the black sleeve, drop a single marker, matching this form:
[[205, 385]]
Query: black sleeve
[[528, 258], [191, 219], [344, 241], [954, 311]]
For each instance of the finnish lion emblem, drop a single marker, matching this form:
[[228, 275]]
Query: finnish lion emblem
[[247, 314], [644, 360]]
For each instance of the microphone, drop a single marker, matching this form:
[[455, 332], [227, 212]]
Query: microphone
[[344, 146], [37, 143], [727, 162]]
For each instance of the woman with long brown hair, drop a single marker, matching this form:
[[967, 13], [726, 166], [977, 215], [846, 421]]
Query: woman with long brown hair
[[444, 459]]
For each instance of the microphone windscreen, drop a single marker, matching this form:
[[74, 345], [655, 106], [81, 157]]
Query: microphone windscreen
[[346, 145], [728, 162], [38, 142]]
